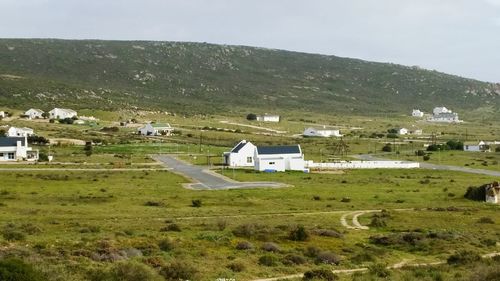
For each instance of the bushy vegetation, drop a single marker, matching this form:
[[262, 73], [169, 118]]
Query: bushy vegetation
[[17, 270]]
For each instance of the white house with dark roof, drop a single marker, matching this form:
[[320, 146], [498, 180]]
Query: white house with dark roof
[[242, 155], [34, 113], [279, 158], [480, 147], [62, 113], [19, 132], [156, 129], [16, 149]]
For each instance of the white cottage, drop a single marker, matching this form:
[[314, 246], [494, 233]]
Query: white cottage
[[156, 129], [313, 132], [268, 118], [480, 147], [19, 132], [417, 113], [2, 114], [279, 158], [440, 109], [242, 155], [402, 131], [34, 113], [62, 113], [16, 148]]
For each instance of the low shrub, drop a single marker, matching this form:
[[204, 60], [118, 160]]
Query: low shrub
[[17, 270], [166, 245], [299, 234], [171, 227], [312, 251], [268, 260], [236, 266], [244, 245], [270, 247], [13, 235], [319, 274], [379, 270], [486, 220], [293, 260], [154, 204], [327, 257], [463, 257], [178, 270], [132, 271], [196, 203], [345, 200], [327, 233]]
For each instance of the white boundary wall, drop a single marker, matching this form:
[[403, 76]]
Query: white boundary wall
[[363, 165]]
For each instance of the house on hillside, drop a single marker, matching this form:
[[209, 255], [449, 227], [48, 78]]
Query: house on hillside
[[268, 118], [242, 155], [492, 193], [2, 114], [443, 114], [62, 113], [19, 132], [402, 131], [480, 147], [279, 158], [16, 149], [34, 113], [156, 129], [417, 113], [313, 132]]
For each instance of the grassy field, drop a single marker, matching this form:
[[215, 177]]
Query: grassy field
[[73, 222]]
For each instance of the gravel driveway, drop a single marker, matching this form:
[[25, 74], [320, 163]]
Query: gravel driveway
[[205, 179]]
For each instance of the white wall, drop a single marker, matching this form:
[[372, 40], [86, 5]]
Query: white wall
[[364, 165], [270, 163], [240, 159]]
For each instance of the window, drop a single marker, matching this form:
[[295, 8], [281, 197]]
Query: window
[[11, 155], [249, 159], [272, 163]]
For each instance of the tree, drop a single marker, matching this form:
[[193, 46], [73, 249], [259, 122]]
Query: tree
[[251, 117], [387, 148], [45, 115], [88, 148], [392, 131], [3, 133]]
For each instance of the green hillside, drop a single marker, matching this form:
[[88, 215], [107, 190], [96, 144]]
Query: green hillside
[[199, 77]]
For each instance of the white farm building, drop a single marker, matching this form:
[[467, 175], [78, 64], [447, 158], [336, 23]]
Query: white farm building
[[480, 147], [19, 132], [62, 113], [313, 132], [242, 155], [279, 158], [15, 149], [156, 129], [268, 118], [34, 113], [417, 113]]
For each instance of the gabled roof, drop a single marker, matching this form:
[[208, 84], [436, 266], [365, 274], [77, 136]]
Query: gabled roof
[[284, 149], [11, 141], [239, 146], [35, 109]]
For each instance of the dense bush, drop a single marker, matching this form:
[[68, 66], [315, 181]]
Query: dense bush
[[293, 259], [476, 193], [387, 148], [179, 270], [236, 266], [38, 140], [328, 233], [463, 257], [166, 244], [17, 270], [196, 203], [379, 270], [171, 227], [299, 234], [319, 274], [270, 247], [13, 235], [132, 271], [251, 117], [244, 245], [486, 220], [327, 257]]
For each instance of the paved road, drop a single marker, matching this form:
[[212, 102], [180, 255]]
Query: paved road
[[424, 165], [206, 179]]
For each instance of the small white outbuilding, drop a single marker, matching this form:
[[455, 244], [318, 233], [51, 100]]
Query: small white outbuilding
[[325, 133], [19, 132], [34, 113], [156, 129], [268, 118], [480, 147], [279, 158], [62, 113], [242, 155]]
